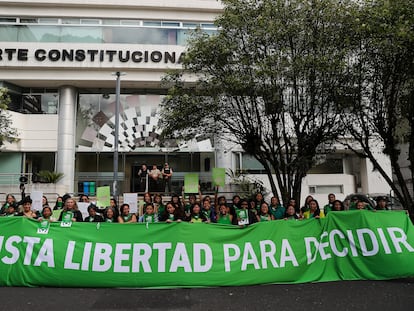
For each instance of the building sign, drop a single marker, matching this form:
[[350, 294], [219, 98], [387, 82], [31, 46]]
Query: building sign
[[81, 55], [72, 55]]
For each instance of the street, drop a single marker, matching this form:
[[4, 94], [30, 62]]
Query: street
[[345, 295]]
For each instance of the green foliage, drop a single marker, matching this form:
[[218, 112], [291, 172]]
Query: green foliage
[[248, 186], [7, 132], [49, 176], [383, 72], [268, 80]]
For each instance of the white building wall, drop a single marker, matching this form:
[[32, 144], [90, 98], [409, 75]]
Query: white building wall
[[37, 132]]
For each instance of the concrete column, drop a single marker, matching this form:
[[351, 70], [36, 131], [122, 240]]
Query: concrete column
[[371, 180], [65, 162]]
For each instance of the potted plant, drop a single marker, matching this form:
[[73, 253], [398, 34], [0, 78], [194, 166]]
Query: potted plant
[[49, 176]]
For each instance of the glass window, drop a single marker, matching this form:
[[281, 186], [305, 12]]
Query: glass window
[[8, 33], [40, 103], [39, 33], [171, 24], [131, 22], [208, 25], [90, 21], [8, 19], [152, 23], [48, 20], [111, 22], [322, 189], [81, 34], [191, 25], [73, 21], [28, 20]]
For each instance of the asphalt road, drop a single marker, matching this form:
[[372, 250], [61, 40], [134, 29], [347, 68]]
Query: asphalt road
[[350, 295]]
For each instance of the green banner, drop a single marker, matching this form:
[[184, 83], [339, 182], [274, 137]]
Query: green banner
[[191, 183], [343, 246], [219, 176]]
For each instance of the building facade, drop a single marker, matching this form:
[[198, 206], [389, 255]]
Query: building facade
[[59, 58]]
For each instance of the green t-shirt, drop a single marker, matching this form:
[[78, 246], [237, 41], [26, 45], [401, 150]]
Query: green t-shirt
[[278, 212], [224, 219]]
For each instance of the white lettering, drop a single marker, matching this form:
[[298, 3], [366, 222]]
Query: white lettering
[[69, 264], [102, 257], [162, 249], [399, 240], [287, 254], [31, 241], [143, 258], [333, 244], [46, 254], [227, 257], [199, 248], [13, 250], [180, 259], [249, 257], [86, 256], [120, 257], [363, 244], [268, 254]]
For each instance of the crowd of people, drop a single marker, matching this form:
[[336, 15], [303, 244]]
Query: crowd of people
[[194, 208]]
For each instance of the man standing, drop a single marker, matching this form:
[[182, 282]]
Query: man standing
[[167, 175], [155, 179], [328, 207]]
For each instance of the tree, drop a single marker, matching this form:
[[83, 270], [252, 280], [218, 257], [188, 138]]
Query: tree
[[269, 80], [384, 81], [7, 132]]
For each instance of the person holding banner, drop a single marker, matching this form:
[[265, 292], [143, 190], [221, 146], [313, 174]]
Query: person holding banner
[[125, 216], [192, 199], [47, 214], [109, 215], [71, 207], [278, 210], [244, 215], [313, 211], [172, 213], [196, 216], [290, 213], [158, 204], [264, 214], [176, 201], [93, 217], [149, 216], [27, 209], [208, 210], [224, 217]]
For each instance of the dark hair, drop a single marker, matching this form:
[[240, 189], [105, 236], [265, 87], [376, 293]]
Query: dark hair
[[45, 207], [27, 200], [105, 214], [121, 209], [340, 202], [177, 212], [65, 197], [318, 210]]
